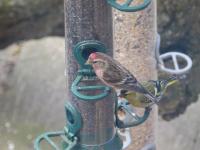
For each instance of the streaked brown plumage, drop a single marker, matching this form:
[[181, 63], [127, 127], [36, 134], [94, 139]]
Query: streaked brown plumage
[[113, 74]]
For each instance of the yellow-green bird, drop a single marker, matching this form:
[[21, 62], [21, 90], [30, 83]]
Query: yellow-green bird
[[156, 88]]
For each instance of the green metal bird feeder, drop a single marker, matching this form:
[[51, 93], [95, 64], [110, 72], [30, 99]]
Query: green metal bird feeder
[[127, 7], [91, 108], [69, 136]]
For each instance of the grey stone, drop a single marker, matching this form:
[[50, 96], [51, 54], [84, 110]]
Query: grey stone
[[37, 84], [25, 19], [182, 133], [149, 147], [8, 58]]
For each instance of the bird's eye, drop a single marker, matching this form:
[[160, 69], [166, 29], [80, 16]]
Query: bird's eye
[[94, 62]]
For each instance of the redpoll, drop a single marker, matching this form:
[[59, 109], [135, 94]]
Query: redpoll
[[113, 74]]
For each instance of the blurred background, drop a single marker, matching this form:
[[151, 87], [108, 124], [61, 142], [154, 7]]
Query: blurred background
[[32, 82]]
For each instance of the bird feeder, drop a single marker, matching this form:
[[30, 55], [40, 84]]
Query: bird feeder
[[92, 121]]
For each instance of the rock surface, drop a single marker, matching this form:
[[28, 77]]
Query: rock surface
[[37, 85], [32, 85], [8, 59], [182, 133], [178, 23], [25, 19], [33, 74], [22, 19]]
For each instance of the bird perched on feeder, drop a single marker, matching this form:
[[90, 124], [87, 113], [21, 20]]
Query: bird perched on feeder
[[113, 74], [156, 88]]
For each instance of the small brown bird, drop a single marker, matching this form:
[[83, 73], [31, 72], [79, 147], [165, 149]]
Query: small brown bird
[[113, 74]]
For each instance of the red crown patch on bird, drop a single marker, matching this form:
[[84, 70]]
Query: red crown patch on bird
[[93, 56]]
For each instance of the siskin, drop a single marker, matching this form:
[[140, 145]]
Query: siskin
[[158, 88], [113, 74]]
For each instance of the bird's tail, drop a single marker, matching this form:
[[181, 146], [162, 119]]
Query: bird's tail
[[171, 80], [156, 98]]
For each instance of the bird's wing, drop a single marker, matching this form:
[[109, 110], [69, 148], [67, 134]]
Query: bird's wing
[[121, 78], [113, 75]]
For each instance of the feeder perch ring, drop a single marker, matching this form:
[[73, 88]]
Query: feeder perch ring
[[127, 5], [177, 69], [83, 49]]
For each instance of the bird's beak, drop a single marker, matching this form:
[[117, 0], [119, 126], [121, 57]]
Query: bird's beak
[[88, 62]]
